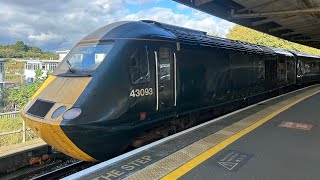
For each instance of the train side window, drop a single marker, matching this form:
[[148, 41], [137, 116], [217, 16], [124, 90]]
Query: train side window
[[139, 66], [164, 60]]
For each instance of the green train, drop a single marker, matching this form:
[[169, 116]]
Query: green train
[[129, 83]]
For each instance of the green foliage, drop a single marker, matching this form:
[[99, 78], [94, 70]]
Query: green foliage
[[20, 46], [35, 49], [38, 74], [255, 37], [13, 78], [13, 67], [49, 72], [3, 98], [7, 125], [21, 50], [21, 95]]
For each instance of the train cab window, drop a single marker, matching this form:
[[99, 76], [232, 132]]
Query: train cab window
[[84, 58], [139, 66], [164, 60]]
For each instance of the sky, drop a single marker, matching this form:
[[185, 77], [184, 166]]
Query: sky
[[60, 24]]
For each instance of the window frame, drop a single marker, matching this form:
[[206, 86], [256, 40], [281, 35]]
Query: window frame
[[142, 78]]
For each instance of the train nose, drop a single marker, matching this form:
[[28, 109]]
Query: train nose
[[52, 134], [44, 112]]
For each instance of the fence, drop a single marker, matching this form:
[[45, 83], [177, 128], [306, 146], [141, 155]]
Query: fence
[[10, 115], [15, 115]]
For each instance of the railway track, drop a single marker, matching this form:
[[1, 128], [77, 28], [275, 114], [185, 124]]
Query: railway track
[[64, 171], [55, 166]]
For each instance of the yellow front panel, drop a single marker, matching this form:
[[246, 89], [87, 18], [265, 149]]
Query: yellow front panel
[[64, 91]]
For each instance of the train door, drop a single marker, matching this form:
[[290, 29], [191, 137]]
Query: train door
[[287, 62], [290, 69], [271, 73], [165, 78]]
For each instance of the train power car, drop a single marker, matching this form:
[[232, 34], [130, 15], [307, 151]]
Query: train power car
[[129, 83]]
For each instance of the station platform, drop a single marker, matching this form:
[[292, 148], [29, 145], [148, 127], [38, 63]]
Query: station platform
[[15, 156], [274, 139]]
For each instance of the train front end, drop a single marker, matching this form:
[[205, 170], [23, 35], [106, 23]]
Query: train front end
[[59, 112], [85, 109], [52, 103]]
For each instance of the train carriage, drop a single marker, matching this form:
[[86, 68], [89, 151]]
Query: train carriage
[[308, 67], [129, 83]]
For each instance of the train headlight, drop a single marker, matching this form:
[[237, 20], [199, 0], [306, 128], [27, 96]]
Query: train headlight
[[72, 113], [58, 112]]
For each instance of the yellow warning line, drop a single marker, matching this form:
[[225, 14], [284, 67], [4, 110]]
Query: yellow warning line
[[214, 150]]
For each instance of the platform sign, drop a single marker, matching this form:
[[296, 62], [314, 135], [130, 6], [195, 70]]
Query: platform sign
[[232, 160], [293, 125]]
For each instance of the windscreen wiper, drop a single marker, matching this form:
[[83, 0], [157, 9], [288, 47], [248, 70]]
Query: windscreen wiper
[[69, 66]]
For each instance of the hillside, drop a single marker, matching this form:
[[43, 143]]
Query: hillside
[[22, 50], [248, 35]]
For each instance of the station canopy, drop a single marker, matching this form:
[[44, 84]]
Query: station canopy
[[294, 20]]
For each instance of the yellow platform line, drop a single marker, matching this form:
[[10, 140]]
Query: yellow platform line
[[214, 150]]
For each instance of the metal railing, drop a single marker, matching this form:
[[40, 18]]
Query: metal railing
[[15, 115], [10, 115]]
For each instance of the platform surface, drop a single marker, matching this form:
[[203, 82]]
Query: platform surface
[[278, 149], [15, 156], [275, 139], [21, 147]]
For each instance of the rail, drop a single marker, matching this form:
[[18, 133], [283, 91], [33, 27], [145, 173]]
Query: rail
[[15, 115], [63, 171]]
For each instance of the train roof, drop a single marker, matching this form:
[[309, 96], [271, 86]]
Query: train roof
[[127, 30], [186, 36], [192, 37], [301, 54], [283, 52]]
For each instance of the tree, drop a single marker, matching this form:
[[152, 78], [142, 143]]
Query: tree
[[34, 49], [3, 98], [20, 46], [255, 37], [21, 50], [38, 75], [48, 73]]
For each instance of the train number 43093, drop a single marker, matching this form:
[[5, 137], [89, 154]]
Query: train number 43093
[[141, 92]]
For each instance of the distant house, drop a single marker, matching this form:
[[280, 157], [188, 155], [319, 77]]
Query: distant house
[[62, 54], [2, 73], [3, 82], [30, 67]]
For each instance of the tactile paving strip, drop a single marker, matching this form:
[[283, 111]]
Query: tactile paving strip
[[163, 167]]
